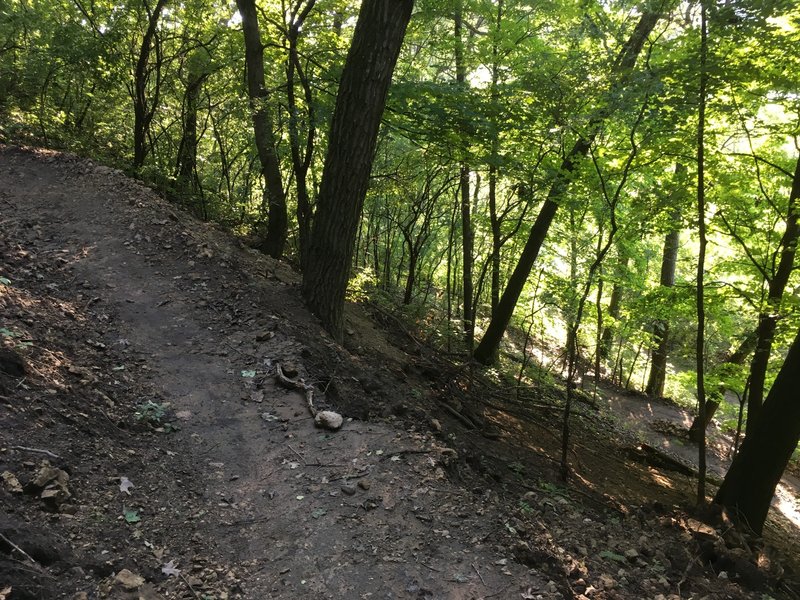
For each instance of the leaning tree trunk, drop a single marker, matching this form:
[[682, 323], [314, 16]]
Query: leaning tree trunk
[[274, 196], [360, 101], [486, 351], [750, 483], [737, 357], [768, 318]]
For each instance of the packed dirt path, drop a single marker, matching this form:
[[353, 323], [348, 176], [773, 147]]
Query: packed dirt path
[[248, 482], [147, 450]]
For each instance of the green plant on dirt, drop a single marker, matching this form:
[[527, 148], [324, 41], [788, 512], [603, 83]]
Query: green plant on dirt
[[525, 508], [516, 467], [150, 412], [6, 333]]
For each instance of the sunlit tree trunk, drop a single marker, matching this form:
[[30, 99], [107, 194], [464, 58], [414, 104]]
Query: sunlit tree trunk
[[614, 308], [486, 350]]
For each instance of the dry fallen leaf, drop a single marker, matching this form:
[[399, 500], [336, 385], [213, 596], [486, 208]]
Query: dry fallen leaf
[[125, 485], [170, 569]]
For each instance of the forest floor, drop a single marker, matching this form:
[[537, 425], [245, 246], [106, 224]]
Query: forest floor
[[147, 450]]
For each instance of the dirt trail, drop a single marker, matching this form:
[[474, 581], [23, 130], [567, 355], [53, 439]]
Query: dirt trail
[[152, 342], [297, 512]]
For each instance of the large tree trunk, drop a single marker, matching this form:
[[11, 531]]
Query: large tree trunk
[[360, 101], [768, 319], [274, 196], [750, 483], [669, 261], [143, 108], [486, 351]]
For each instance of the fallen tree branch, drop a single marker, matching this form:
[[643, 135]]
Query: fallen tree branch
[[297, 384], [18, 549], [37, 451]]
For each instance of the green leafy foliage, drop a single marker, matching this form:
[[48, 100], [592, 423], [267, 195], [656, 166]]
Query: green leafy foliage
[[150, 412]]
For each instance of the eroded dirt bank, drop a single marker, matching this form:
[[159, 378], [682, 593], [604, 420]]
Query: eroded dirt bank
[[148, 452]]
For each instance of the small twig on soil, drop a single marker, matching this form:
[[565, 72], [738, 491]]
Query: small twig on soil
[[350, 477], [18, 549], [434, 569], [245, 522], [479, 574], [211, 449], [186, 581], [37, 451], [332, 377], [300, 456], [466, 421], [692, 562]]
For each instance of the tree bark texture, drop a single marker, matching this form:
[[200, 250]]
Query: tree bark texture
[[486, 351], [363, 88], [186, 168], [144, 109], [750, 483], [274, 196]]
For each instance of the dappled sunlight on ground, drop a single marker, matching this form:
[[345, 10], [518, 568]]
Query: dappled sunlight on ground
[[787, 503]]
